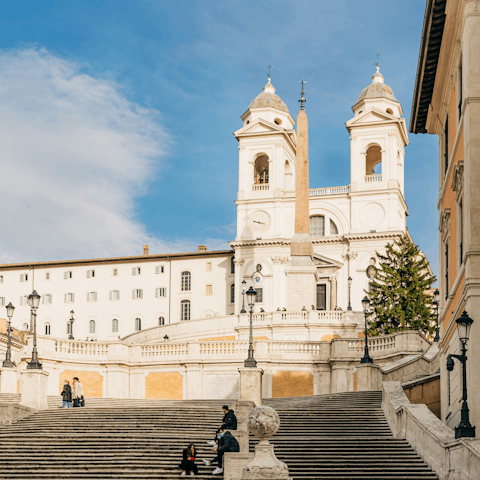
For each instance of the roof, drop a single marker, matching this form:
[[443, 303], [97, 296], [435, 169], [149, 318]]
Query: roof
[[134, 258], [377, 89], [268, 98], [432, 34]]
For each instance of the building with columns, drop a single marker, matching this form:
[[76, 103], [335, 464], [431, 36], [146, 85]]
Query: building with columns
[[347, 225]]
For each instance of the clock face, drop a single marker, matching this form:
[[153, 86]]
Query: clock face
[[259, 221]]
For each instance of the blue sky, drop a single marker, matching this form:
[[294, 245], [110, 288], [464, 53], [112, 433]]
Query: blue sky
[[116, 117]]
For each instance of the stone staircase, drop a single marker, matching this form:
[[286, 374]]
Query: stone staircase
[[342, 436]]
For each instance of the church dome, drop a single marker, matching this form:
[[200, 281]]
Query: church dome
[[377, 89], [268, 98]]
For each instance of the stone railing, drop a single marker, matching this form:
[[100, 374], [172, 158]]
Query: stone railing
[[375, 344], [81, 349], [317, 192], [260, 187], [373, 178], [304, 317], [164, 350]]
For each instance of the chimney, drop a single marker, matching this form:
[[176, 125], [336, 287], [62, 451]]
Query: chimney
[[202, 248], [145, 249]]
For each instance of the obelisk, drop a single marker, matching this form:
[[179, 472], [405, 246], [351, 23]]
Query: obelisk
[[301, 273]]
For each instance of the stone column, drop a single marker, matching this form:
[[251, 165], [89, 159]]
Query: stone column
[[8, 380], [333, 292], [242, 409], [238, 285], [34, 389], [251, 385]]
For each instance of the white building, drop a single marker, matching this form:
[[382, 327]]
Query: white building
[[114, 297]]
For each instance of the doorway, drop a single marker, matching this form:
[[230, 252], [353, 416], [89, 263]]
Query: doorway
[[321, 297]]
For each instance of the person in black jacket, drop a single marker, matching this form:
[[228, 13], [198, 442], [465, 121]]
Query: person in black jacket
[[229, 422], [188, 462], [67, 394], [228, 443]]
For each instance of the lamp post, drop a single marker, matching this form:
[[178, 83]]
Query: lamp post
[[8, 356], [366, 306], [436, 301], [349, 293], [250, 362], [244, 289], [464, 325], [70, 333], [34, 302]]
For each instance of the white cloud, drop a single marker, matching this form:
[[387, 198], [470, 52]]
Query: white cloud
[[74, 156]]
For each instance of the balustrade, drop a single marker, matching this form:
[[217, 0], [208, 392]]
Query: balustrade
[[87, 349], [373, 178], [260, 187]]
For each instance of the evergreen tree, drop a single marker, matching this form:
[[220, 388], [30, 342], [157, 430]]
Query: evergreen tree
[[398, 292]]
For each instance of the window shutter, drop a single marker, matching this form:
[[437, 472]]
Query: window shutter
[[157, 292], [21, 278], [95, 296], [73, 297], [134, 271], [118, 294], [65, 275], [65, 298], [88, 273], [43, 298], [141, 293], [110, 295], [157, 269], [21, 300], [133, 293]]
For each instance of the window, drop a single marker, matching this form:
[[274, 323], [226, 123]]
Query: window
[[160, 292], [209, 266], [138, 324], [460, 227], [333, 228], [91, 296], [232, 265], [460, 92], [373, 158], [2, 301], [47, 275], [90, 273], [321, 297], [24, 277], [186, 281], [259, 267], [91, 326], [261, 171], [185, 310], [208, 290], [69, 297], [372, 261], [278, 121], [136, 271], [232, 293], [47, 298], [317, 226], [137, 293], [24, 300], [114, 295], [161, 321], [447, 287], [1, 278], [115, 272], [259, 295], [25, 326], [47, 329], [445, 144], [114, 325], [159, 269], [390, 111], [67, 275]]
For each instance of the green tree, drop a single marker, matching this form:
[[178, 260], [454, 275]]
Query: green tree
[[398, 292]]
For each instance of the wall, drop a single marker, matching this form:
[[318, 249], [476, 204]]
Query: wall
[[425, 392]]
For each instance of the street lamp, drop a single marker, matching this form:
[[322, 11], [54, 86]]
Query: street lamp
[[464, 325], [34, 302], [250, 361], [70, 331], [349, 295], [244, 289], [366, 307], [8, 357], [436, 301]]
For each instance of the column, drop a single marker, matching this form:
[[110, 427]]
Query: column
[[333, 292]]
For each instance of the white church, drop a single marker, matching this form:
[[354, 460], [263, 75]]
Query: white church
[[124, 297]]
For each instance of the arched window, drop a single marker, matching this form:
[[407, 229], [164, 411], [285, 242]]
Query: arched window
[[91, 326], [161, 321], [115, 325], [186, 281], [232, 265], [47, 329], [317, 226], [138, 324], [261, 170], [374, 158], [333, 228], [25, 326], [185, 310], [232, 293]]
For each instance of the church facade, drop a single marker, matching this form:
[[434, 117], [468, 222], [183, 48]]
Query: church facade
[[116, 297]]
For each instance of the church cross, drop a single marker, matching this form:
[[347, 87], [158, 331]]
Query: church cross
[[269, 67], [378, 54], [302, 100]]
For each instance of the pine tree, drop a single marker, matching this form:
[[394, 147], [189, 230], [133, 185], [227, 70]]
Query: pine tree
[[398, 292]]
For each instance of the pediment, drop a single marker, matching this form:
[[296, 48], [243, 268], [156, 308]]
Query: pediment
[[259, 126], [325, 262], [373, 116]]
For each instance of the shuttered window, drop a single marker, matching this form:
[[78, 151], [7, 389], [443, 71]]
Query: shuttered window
[[137, 293], [114, 295], [160, 292], [91, 296], [159, 269], [185, 310], [138, 324], [91, 326], [114, 325]]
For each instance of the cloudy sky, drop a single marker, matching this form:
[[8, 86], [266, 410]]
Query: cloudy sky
[[116, 117]]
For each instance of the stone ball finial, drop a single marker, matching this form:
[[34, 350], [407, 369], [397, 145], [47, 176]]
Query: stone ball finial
[[263, 422]]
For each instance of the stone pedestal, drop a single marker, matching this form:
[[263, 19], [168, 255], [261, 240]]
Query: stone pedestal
[[368, 377], [242, 409], [8, 380], [301, 284], [251, 385], [34, 389]]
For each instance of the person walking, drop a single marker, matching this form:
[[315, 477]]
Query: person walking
[[67, 394], [229, 422], [228, 444], [77, 392], [188, 462]]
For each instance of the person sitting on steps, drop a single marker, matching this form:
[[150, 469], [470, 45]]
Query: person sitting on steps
[[228, 443], [229, 422], [188, 462]]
